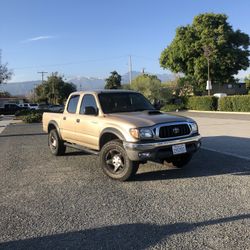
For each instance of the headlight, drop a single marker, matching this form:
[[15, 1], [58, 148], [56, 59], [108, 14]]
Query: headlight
[[141, 133], [146, 133], [194, 127]]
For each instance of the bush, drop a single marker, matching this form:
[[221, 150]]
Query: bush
[[225, 104], [32, 117], [30, 111], [172, 107], [23, 112], [206, 103], [237, 103]]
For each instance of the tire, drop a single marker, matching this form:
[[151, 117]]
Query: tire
[[181, 161], [115, 162], [55, 143]]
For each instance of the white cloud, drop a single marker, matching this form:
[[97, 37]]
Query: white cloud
[[38, 38]]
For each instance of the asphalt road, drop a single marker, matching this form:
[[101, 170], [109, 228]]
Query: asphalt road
[[66, 202], [228, 134]]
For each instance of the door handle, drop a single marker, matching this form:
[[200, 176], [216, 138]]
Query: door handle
[[64, 118], [78, 120]]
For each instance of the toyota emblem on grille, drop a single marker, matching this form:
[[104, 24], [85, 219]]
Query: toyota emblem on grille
[[176, 131]]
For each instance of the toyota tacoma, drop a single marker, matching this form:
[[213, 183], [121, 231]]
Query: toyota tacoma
[[124, 129]]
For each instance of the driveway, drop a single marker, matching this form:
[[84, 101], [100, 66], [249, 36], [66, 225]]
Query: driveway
[[66, 202]]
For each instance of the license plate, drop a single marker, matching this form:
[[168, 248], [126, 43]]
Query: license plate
[[179, 149]]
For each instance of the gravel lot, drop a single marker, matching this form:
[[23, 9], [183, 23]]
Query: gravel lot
[[66, 202]]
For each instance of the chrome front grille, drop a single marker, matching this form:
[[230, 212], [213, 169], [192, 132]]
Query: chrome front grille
[[175, 130]]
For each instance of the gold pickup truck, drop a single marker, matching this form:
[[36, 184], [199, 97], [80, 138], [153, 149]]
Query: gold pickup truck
[[124, 129]]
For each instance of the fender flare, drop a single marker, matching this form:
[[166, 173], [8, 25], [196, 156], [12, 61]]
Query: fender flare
[[54, 123], [113, 131]]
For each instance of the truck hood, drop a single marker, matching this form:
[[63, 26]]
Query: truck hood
[[147, 118]]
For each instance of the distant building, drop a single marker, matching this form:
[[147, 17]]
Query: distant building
[[230, 89], [17, 100]]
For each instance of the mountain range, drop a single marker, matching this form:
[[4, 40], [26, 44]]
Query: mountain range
[[82, 83]]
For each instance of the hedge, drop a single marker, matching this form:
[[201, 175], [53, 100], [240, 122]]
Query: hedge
[[205, 103], [172, 107], [237, 103]]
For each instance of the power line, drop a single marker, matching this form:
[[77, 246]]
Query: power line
[[146, 58], [42, 73]]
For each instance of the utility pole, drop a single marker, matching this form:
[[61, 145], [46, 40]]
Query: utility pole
[[42, 73], [34, 92], [130, 70], [1, 80]]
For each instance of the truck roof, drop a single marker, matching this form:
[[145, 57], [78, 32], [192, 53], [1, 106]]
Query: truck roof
[[98, 91]]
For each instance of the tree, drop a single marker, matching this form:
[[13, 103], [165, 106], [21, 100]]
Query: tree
[[114, 81], [54, 90], [180, 87], [126, 86], [150, 86], [209, 39], [5, 94], [5, 73]]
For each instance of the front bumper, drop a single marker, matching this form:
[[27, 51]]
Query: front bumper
[[160, 150]]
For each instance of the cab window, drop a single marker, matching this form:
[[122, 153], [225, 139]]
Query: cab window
[[88, 101], [72, 105]]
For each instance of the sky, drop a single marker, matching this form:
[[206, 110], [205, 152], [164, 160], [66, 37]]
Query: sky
[[91, 38]]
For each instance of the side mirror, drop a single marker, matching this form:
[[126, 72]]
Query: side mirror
[[89, 110]]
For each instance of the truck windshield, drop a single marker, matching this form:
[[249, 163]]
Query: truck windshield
[[123, 102]]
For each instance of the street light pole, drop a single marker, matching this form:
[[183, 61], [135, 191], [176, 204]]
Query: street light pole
[[208, 76], [207, 53]]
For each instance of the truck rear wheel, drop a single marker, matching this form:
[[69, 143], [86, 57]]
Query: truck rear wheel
[[115, 162], [55, 143]]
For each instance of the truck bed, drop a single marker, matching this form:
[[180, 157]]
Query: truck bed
[[51, 116]]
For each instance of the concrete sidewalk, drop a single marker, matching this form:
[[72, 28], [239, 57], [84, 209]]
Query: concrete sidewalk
[[227, 135], [5, 120]]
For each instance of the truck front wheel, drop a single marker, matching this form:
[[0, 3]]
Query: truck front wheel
[[115, 162], [55, 143]]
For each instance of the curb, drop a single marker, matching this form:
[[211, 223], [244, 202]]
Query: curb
[[219, 112]]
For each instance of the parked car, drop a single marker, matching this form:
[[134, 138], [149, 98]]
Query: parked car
[[10, 109], [56, 108], [33, 106], [29, 105], [23, 105], [43, 106], [219, 95]]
